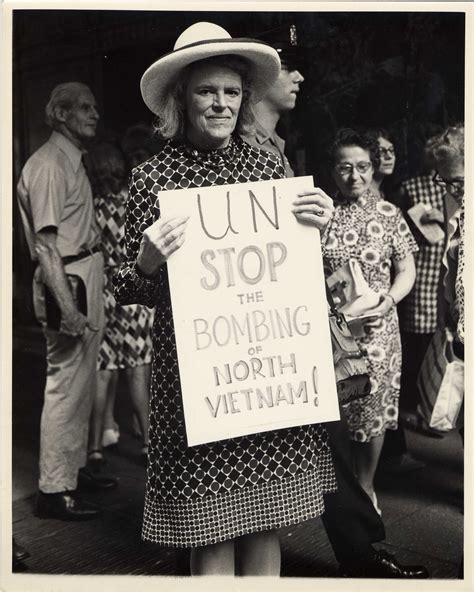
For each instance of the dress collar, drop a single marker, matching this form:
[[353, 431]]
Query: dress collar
[[261, 133], [215, 157], [453, 207], [361, 201]]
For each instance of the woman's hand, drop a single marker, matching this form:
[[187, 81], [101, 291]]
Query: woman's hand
[[383, 307], [159, 241], [313, 206]]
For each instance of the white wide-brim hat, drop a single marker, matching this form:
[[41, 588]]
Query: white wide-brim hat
[[204, 40]]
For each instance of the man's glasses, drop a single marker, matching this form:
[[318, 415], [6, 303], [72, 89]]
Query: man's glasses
[[455, 186], [387, 152], [360, 167]]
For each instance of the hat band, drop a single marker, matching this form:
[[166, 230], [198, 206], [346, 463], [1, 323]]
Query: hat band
[[212, 41]]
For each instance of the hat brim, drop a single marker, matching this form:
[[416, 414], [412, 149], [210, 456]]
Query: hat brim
[[263, 59]]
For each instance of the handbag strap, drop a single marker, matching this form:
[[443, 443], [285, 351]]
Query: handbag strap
[[340, 319]]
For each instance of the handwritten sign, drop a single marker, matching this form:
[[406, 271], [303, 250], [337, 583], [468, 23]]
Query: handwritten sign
[[249, 310]]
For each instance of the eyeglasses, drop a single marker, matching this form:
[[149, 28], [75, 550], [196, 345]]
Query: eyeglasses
[[455, 186], [346, 169], [387, 151]]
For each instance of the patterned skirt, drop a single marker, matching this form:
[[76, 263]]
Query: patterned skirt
[[127, 333], [371, 416], [214, 492]]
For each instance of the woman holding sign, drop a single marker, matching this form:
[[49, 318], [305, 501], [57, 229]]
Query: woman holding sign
[[241, 490], [372, 232]]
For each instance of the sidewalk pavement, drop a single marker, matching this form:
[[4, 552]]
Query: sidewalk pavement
[[422, 510]]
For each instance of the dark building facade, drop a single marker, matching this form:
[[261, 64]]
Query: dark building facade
[[403, 71]]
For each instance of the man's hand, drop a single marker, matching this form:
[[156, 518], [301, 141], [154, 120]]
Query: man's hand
[[74, 324]]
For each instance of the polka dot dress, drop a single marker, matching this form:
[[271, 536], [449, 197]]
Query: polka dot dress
[[374, 232], [210, 493]]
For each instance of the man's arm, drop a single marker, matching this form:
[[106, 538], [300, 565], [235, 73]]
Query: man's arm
[[73, 322]]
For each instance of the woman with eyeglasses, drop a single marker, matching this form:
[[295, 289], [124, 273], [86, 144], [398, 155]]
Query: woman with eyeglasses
[[374, 232], [387, 160]]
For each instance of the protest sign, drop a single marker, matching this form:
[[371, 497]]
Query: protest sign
[[249, 310]]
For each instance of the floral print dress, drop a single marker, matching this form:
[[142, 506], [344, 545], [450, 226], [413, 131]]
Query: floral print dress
[[374, 232]]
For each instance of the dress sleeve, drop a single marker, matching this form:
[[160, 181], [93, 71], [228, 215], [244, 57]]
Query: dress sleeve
[[403, 241], [130, 286]]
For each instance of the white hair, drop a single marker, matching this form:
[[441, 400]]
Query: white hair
[[62, 97]]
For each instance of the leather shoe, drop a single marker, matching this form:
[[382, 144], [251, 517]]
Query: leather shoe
[[65, 505], [19, 553], [380, 564], [93, 476]]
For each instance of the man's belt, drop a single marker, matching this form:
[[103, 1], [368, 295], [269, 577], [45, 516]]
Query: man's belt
[[81, 255]]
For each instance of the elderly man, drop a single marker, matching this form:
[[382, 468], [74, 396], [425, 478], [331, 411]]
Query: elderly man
[[55, 200], [350, 520]]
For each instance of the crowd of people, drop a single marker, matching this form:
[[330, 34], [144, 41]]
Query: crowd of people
[[101, 293]]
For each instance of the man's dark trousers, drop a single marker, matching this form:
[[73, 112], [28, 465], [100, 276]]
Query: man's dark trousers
[[350, 519]]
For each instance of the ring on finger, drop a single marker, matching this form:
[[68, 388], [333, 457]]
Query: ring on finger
[[320, 213], [168, 239]]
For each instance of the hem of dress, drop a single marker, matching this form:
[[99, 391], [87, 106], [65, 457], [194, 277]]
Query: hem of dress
[[369, 437], [215, 519]]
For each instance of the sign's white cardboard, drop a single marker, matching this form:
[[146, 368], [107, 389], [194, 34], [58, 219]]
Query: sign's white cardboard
[[250, 313]]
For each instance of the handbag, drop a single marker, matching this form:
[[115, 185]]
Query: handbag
[[441, 383], [350, 291], [350, 367]]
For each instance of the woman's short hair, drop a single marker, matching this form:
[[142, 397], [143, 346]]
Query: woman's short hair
[[353, 137], [171, 121], [62, 97], [107, 164], [447, 147]]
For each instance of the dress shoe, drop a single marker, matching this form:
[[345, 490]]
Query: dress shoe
[[94, 476], [19, 553], [380, 564], [65, 505]]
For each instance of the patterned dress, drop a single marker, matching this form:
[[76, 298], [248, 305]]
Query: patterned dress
[[459, 284], [210, 493], [374, 232], [419, 309], [127, 333]]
